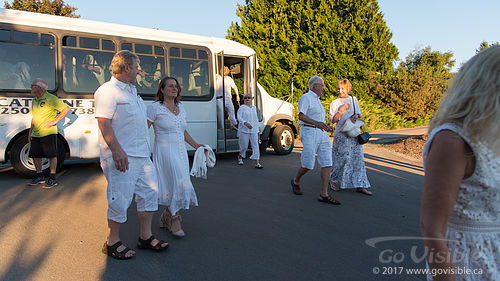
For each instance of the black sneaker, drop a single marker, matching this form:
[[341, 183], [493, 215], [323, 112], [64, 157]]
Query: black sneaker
[[37, 180], [51, 182]]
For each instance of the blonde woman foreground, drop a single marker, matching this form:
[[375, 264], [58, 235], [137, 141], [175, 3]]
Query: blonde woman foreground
[[460, 215], [175, 190]]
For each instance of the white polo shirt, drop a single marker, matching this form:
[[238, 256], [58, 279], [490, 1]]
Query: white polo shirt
[[310, 105], [119, 102]]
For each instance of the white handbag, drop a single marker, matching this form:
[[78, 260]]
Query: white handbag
[[352, 129]]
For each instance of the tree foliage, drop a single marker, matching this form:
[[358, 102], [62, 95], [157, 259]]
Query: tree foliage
[[414, 89], [55, 7], [296, 39], [485, 45]]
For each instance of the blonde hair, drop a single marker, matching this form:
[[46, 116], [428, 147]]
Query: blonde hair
[[344, 82], [473, 99], [122, 58]]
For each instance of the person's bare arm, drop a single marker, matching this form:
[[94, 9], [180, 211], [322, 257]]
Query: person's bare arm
[[58, 118], [339, 114], [321, 125], [447, 164], [119, 155], [191, 141], [31, 129]]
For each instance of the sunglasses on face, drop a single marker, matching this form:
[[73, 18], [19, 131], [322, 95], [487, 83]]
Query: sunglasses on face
[[247, 98]]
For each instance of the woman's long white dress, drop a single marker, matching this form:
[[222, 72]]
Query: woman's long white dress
[[473, 235], [348, 169], [170, 158]]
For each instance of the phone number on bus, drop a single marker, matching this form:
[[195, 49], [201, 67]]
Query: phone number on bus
[[23, 106]]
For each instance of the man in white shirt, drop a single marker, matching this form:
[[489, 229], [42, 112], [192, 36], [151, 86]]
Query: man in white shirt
[[315, 140], [125, 156]]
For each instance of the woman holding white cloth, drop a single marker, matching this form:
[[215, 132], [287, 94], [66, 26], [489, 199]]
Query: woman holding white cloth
[[175, 190], [248, 131]]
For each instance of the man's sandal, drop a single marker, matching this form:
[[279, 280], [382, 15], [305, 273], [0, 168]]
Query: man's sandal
[[112, 251], [146, 244], [296, 188], [328, 199]]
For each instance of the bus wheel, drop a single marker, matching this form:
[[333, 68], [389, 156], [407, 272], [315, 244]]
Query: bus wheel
[[24, 165], [283, 139]]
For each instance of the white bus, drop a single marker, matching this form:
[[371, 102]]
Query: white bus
[[74, 56]]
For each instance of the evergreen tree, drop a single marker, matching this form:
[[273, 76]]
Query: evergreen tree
[[55, 7], [296, 39]]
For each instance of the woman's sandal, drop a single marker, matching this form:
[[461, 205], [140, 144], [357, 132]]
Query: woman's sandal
[[332, 186], [175, 228], [112, 251], [364, 191], [328, 199], [146, 244], [165, 219]]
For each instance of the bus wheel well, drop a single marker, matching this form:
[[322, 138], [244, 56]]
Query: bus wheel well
[[11, 143], [283, 122]]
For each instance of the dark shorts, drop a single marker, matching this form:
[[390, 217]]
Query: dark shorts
[[44, 147]]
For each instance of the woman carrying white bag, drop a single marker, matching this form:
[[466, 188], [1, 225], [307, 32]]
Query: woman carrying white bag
[[348, 170]]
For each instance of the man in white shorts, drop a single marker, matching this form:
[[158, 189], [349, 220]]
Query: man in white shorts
[[315, 140], [125, 156]]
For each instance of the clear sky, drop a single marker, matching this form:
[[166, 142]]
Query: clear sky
[[458, 26]]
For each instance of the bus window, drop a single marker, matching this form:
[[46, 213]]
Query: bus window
[[4, 35], [108, 45], [21, 63], [89, 43], [127, 46], [152, 69], [159, 51], [175, 52], [192, 72], [69, 41], [143, 49], [47, 39], [25, 37], [85, 70]]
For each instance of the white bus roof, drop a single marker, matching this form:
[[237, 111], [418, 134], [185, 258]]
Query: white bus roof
[[16, 17]]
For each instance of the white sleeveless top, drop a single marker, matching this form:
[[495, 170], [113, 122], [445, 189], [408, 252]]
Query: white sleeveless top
[[474, 224]]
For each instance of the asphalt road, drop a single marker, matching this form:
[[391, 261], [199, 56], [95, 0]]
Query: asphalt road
[[249, 226]]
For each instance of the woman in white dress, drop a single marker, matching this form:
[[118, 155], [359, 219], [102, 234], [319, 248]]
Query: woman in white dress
[[175, 190], [460, 215], [248, 130], [348, 170]]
